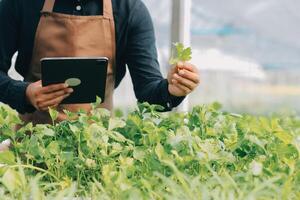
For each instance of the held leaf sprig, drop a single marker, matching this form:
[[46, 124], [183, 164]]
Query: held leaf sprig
[[180, 54]]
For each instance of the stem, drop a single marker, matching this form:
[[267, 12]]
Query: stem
[[215, 175], [35, 168]]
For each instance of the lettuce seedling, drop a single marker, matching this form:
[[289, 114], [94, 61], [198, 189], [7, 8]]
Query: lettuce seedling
[[180, 54]]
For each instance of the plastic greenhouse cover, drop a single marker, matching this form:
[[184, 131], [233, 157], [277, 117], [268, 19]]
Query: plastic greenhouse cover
[[265, 31]]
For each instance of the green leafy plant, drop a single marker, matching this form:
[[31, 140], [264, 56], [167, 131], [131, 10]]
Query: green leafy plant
[[180, 54], [203, 154]]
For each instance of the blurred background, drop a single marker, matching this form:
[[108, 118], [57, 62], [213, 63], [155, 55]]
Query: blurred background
[[248, 52]]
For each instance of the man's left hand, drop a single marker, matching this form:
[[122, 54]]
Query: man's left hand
[[183, 78]]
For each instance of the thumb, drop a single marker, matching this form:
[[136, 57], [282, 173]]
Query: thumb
[[180, 66]]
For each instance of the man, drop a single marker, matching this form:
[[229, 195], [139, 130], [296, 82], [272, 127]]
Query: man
[[121, 30]]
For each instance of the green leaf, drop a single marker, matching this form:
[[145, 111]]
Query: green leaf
[[181, 54], [159, 150], [284, 136], [118, 113], [186, 54], [48, 132], [73, 128], [12, 180], [139, 153], [115, 123], [26, 129], [69, 114], [7, 157], [53, 148], [36, 192], [179, 47], [216, 106], [119, 137], [97, 103], [53, 114], [67, 156]]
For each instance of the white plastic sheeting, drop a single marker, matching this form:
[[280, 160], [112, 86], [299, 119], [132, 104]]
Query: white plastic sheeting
[[265, 31]]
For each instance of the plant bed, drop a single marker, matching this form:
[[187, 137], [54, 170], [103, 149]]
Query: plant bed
[[203, 154]]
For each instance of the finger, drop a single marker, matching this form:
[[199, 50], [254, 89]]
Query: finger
[[53, 102], [38, 83], [38, 86], [54, 87], [53, 95], [47, 108], [189, 75], [187, 66], [173, 69], [183, 81], [181, 87]]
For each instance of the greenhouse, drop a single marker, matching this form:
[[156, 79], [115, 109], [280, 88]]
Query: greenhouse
[[149, 99]]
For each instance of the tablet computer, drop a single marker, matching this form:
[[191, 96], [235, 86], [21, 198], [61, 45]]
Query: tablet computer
[[86, 75]]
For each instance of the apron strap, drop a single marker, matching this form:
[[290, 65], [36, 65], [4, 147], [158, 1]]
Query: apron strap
[[48, 5], [108, 9]]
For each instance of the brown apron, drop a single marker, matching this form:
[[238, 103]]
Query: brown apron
[[62, 35]]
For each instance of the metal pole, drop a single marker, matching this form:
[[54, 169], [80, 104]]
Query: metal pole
[[181, 23]]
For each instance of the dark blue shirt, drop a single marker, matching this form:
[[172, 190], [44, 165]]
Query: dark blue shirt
[[135, 43]]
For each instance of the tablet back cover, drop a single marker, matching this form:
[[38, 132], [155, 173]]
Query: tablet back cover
[[89, 73]]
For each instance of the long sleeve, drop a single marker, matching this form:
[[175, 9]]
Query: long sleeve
[[12, 92], [141, 58]]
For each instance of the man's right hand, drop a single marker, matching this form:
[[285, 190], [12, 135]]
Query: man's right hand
[[44, 97]]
